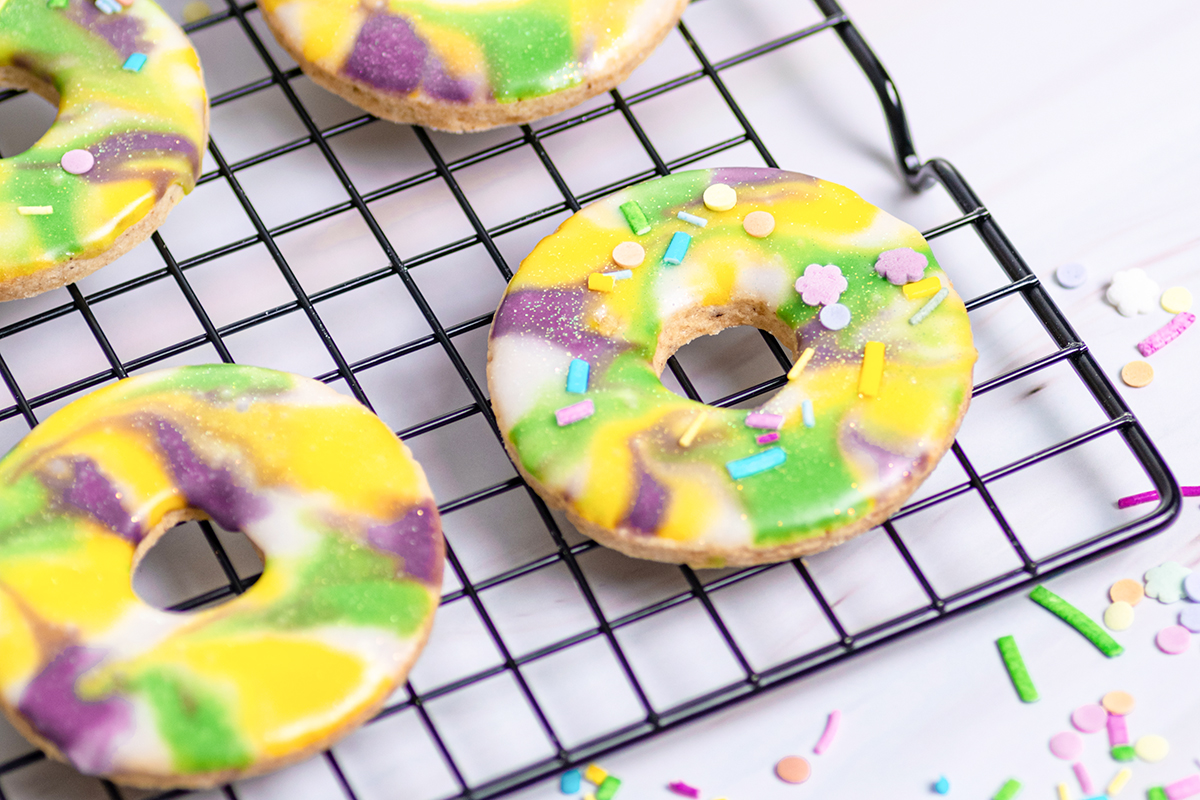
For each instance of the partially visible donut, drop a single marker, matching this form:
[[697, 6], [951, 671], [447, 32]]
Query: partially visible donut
[[589, 320], [459, 66], [126, 146], [352, 551]]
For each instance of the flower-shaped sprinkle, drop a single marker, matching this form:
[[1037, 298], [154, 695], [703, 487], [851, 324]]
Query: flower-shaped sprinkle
[[1133, 292], [821, 285], [902, 265], [1165, 582]]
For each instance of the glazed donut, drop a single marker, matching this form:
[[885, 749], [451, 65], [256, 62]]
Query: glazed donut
[[126, 146], [461, 66], [583, 332], [352, 551]]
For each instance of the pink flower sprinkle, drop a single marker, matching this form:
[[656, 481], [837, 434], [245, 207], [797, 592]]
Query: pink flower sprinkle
[[821, 286], [902, 265]]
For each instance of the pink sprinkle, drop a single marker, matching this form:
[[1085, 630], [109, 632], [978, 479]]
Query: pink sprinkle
[[1085, 780], [1166, 334], [1066, 745], [831, 729], [1173, 640], [78, 162], [573, 413], [902, 265], [1118, 734], [767, 438], [821, 285], [1089, 718], [679, 787], [1151, 496], [1188, 787], [759, 419]]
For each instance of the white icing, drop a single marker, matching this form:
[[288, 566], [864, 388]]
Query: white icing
[[523, 370]]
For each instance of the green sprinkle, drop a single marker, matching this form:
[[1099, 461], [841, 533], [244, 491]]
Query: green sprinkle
[[57, 3], [1123, 752], [1016, 669], [1009, 790], [1077, 620], [608, 788], [637, 220], [1156, 793]]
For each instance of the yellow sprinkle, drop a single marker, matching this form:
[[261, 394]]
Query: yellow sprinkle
[[720, 197], [35, 211], [689, 435], [589, 796], [800, 364], [872, 369], [926, 287], [595, 774], [599, 282], [1118, 783], [1176, 300], [1063, 792]]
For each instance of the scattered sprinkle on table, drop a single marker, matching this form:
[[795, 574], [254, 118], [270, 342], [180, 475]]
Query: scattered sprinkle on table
[[1166, 334], [35, 211], [1188, 787], [1118, 782], [681, 788], [1156, 793], [1191, 586], [1071, 276], [1118, 733], [1017, 671], [1066, 745], [1173, 640], [628, 254], [1089, 718], [1127, 590], [78, 162], [608, 788], [1009, 790], [1152, 748], [831, 729], [793, 769], [1064, 792], [1137, 374], [1118, 616], [1164, 583], [834, 316], [1176, 300], [942, 786], [135, 62], [1150, 497], [1122, 752], [1081, 775], [1118, 702], [595, 774], [1077, 620], [1190, 617], [720, 197], [759, 224], [677, 248], [570, 781]]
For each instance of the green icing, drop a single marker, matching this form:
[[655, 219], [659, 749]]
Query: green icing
[[226, 381], [19, 500]]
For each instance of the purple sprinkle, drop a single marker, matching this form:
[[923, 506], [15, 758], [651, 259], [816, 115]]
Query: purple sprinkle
[[575, 412], [759, 419], [679, 787], [767, 438]]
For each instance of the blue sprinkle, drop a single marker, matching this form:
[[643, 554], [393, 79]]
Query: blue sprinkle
[[577, 376], [108, 6], [570, 781], [692, 218], [810, 418], [942, 786], [677, 249], [135, 62], [759, 462], [620, 274]]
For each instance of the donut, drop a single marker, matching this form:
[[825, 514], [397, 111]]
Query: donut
[[126, 145], [880, 385], [459, 66], [352, 549]]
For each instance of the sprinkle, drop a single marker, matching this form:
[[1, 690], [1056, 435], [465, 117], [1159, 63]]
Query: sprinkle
[[1077, 620], [1119, 781], [793, 769], [834, 316], [135, 62], [196, 11], [1122, 753], [767, 438], [1166, 334], [677, 248], [1188, 787], [1066, 745], [1128, 590], [599, 282], [1064, 792], [1152, 748], [692, 218], [577, 376], [806, 410], [1132, 292], [1173, 640], [620, 274], [1009, 790], [759, 224], [35, 211], [638, 223], [927, 287], [608, 787], [570, 781], [872, 369], [821, 285], [1156, 793], [1118, 734], [800, 364], [78, 162], [1089, 718], [1137, 374], [573, 413], [942, 786], [1176, 300], [1190, 617], [108, 6], [759, 419], [57, 3], [589, 796], [1118, 702], [1150, 497], [1071, 276], [689, 435], [1081, 774], [720, 197], [928, 308], [681, 788], [759, 462], [1118, 616], [1165, 582], [595, 774], [1017, 672], [1191, 586], [831, 729], [901, 265], [628, 254]]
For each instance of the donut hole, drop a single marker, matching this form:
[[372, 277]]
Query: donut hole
[[175, 565], [24, 119]]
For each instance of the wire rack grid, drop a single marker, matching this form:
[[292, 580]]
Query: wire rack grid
[[549, 651]]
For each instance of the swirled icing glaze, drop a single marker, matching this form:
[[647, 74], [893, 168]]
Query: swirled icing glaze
[[350, 540], [146, 129], [622, 473]]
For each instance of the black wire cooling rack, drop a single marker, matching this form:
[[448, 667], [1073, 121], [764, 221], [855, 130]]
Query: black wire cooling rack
[[613, 608]]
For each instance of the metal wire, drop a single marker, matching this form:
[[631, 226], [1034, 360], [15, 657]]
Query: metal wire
[[605, 628]]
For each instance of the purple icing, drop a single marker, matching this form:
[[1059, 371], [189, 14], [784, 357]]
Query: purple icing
[[93, 494], [647, 511], [86, 733], [759, 175], [387, 55], [211, 489], [891, 468], [438, 84], [553, 315], [113, 154], [417, 539], [122, 31]]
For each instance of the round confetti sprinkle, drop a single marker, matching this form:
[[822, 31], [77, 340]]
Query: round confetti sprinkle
[[1071, 276], [78, 162], [1118, 616], [1066, 745], [759, 224], [793, 769], [1152, 748], [1119, 703], [1191, 586], [1127, 589], [1137, 374], [1089, 718], [942, 786], [1190, 618], [629, 254], [1176, 300], [720, 197], [835, 316], [1173, 640], [196, 10]]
